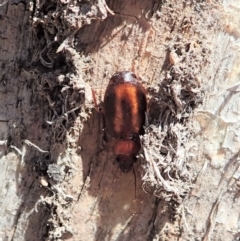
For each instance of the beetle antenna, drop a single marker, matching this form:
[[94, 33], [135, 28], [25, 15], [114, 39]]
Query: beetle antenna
[[110, 187]]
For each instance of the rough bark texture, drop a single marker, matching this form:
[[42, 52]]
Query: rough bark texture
[[58, 181]]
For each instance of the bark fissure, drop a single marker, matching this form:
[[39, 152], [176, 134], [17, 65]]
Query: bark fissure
[[186, 53]]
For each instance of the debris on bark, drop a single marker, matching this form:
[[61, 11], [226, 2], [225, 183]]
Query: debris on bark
[[75, 47]]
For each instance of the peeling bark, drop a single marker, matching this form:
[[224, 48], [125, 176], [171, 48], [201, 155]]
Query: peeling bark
[[58, 180]]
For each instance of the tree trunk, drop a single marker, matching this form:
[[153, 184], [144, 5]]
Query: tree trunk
[[58, 178]]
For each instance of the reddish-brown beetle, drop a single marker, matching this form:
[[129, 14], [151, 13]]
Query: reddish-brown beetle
[[124, 108]]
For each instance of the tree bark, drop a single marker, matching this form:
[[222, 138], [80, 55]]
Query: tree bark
[[58, 181]]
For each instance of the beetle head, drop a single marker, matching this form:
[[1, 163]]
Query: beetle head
[[126, 162]]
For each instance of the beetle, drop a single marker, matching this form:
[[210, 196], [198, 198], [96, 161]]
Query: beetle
[[124, 108]]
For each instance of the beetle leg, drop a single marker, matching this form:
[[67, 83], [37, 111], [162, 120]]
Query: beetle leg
[[98, 108], [105, 137], [144, 51], [146, 124], [135, 181], [94, 99]]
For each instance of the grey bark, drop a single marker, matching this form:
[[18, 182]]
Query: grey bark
[[58, 180]]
